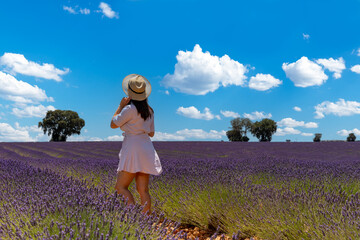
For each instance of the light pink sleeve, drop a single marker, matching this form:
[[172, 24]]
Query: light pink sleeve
[[123, 117], [152, 126]]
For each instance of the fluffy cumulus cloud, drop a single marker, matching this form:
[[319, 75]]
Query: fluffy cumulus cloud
[[198, 73], [305, 73], [193, 112], [291, 123], [17, 63], [257, 115], [230, 114], [333, 65], [339, 108], [107, 11], [345, 132], [297, 109], [189, 134], [355, 69], [11, 134], [263, 82], [286, 131], [19, 91], [32, 111]]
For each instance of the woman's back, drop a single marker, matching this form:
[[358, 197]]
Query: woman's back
[[131, 122]]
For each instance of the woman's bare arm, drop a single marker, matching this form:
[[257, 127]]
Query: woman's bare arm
[[151, 134], [123, 103]]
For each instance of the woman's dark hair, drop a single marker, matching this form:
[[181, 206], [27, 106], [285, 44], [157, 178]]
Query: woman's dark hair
[[143, 108]]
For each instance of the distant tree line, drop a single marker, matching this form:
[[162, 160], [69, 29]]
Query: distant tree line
[[263, 130], [350, 138]]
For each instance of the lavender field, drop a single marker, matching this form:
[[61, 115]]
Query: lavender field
[[268, 190]]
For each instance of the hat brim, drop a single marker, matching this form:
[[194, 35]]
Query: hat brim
[[132, 95]]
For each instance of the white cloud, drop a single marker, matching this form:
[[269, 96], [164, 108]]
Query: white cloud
[[114, 138], [19, 91], [201, 134], [311, 125], [188, 134], [340, 108], [80, 138], [85, 11], [32, 111], [291, 123], [345, 132], [33, 128], [230, 114], [257, 115], [17, 63], [193, 112], [355, 69], [297, 109], [305, 73], [167, 92], [69, 9], [333, 65], [263, 82], [307, 134], [161, 136], [95, 139], [286, 131], [358, 52], [107, 11], [10, 134], [306, 36], [198, 73]]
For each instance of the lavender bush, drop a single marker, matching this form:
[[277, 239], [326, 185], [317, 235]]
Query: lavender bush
[[271, 190]]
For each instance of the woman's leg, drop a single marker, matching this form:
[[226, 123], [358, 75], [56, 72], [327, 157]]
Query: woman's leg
[[124, 179], [142, 187]]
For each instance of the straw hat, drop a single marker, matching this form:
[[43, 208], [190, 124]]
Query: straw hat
[[136, 87]]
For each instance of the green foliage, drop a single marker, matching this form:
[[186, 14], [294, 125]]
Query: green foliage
[[234, 135], [245, 139], [264, 129], [239, 129], [61, 124], [317, 137], [351, 137]]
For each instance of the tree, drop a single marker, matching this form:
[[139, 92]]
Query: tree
[[351, 137], [246, 125], [61, 124], [239, 127], [234, 136], [245, 139], [264, 129], [317, 137]]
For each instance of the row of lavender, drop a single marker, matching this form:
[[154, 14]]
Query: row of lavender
[[272, 190], [38, 201]]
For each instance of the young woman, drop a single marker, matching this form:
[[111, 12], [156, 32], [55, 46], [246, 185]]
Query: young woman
[[138, 158]]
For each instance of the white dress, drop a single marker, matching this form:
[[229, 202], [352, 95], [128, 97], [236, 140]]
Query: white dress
[[137, 153]]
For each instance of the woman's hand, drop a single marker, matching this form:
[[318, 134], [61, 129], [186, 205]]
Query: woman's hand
[[124, 101]]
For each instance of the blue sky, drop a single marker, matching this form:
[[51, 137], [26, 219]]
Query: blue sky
[[297, 62]]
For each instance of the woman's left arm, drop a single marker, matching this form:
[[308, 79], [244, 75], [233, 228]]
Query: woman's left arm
[[123, 103]]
